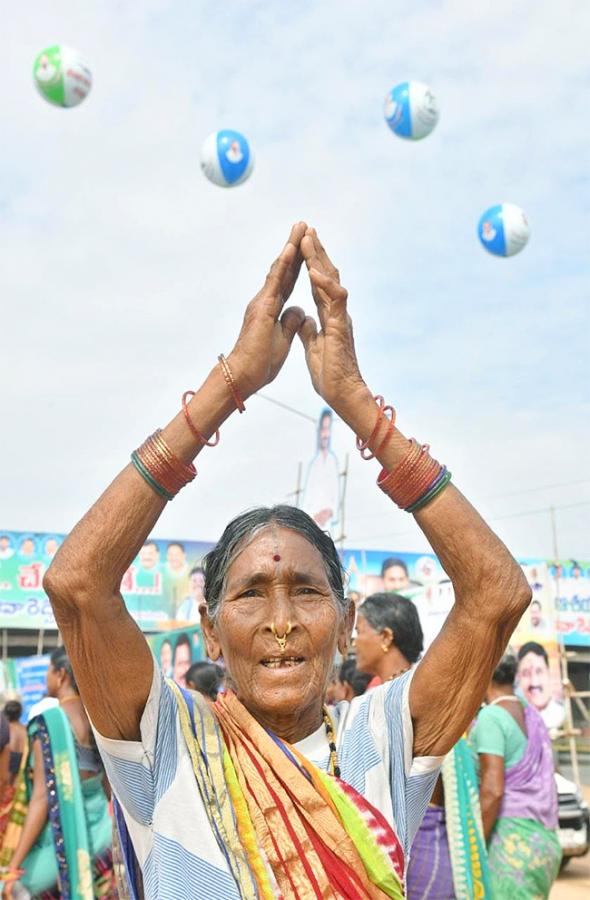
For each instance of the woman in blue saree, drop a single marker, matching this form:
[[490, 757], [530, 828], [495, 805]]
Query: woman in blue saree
[[58, 844]]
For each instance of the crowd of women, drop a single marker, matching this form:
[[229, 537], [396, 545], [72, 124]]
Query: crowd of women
[[268, 791], [488, 832]]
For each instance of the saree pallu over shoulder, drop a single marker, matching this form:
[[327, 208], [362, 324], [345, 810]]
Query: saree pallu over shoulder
[[467, 847], [529, 785], [286, 829], [71, 858]]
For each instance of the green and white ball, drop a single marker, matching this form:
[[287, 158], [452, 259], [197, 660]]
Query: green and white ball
[[61, 76]]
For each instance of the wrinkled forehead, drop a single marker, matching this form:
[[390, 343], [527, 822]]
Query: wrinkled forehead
[[279, 550]]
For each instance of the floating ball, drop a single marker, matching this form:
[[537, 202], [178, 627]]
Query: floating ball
[[411, 110], [61, 76], [503, 229], [226, 158]]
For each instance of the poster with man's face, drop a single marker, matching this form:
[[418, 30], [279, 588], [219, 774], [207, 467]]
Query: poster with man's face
[[535, 645], [321, 497]]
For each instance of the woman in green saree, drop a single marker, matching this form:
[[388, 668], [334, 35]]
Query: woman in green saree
[[58, 844]]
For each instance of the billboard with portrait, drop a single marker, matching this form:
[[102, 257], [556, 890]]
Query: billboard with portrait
[[535, 645], [321, 495], [177, 650], [27, 677], [162, 588]]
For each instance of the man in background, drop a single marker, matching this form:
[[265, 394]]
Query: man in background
[[534, 681], [321, 494], [394, 573]]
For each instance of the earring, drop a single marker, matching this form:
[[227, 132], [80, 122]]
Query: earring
[[385, 649]]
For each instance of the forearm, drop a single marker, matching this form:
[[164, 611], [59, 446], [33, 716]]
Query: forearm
[[490, 807], [95, 556], [33, 826], [469, 551]]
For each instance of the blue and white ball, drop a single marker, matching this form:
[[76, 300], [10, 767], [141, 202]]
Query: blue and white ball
[[503, 229], [411, 110], [226, 158]]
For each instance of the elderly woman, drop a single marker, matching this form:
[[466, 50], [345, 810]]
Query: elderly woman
[[517, 789], [265, 793]]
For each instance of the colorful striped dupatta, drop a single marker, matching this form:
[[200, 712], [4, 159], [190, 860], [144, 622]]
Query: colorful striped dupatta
[[286, 829], [469, 859]]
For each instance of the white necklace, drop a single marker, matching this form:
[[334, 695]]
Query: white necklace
[[504, 697]]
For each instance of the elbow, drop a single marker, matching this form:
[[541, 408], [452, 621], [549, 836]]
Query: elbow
[[491, 795], [521, 596], [64, 588], [516, 596]]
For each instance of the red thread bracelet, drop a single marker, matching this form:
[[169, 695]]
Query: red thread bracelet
[[192, 425]]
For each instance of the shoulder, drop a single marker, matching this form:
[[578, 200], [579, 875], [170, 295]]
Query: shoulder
[[496, 714]]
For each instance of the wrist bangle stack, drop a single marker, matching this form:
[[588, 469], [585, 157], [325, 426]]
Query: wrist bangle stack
[[416, 480], [159, 466], [229, 379]]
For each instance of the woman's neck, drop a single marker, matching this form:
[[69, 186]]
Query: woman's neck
[[495, 691], [392, 664], [67, 693]]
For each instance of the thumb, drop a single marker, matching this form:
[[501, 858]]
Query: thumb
[[291, 321], [308, 332]]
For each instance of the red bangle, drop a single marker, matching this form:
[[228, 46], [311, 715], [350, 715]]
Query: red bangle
[[388, 481], [192, 425], [361, 446], [423, 474], [229, 379]]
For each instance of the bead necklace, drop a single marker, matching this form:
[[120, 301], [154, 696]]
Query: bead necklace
[[397, 674], [331, 742]]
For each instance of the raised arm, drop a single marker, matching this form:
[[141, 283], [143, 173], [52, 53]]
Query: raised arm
[[111, 659], [491, 592]]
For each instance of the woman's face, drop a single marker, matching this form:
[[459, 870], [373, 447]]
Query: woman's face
[[368, 645], [53, 681], [166, 657], [196, 585], [278, 579]]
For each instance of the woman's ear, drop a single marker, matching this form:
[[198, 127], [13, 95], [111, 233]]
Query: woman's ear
[[210, 634], [387, 640], [345, 632]]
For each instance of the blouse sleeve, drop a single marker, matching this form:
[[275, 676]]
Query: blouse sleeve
[[489, 735]]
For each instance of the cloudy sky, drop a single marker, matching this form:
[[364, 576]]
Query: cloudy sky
[[124, 272]]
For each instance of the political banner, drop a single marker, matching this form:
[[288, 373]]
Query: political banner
[[177, 650], [162, 588], [27, 676], [321, 497], [571, 579], [418, 576], [164, 585], [535, 644]]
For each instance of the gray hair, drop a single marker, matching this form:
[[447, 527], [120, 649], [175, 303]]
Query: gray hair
[[400, 615], [242, 530]]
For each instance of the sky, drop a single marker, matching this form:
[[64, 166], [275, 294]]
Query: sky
[[124, 272]]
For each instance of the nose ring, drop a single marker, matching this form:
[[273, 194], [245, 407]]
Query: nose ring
[[281, 639]]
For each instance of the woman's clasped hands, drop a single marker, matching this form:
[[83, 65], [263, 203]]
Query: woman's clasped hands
[[269, 327]]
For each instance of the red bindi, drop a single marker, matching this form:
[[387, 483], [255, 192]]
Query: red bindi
[[277, 557]]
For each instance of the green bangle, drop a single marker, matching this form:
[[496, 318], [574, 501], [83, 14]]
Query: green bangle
[[419, 504], [147, 477]]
